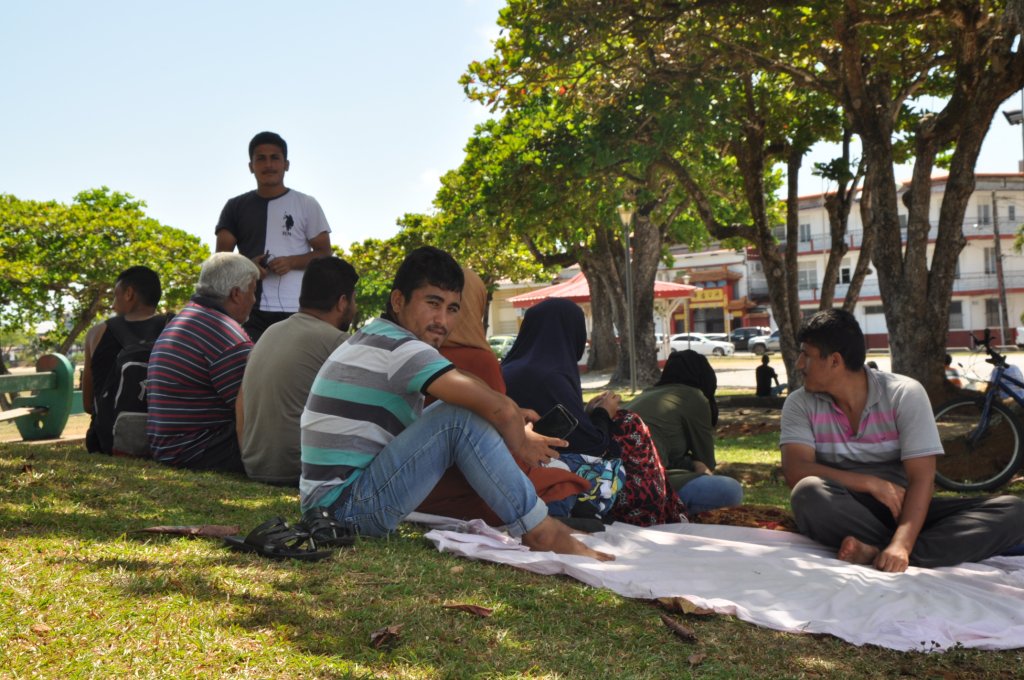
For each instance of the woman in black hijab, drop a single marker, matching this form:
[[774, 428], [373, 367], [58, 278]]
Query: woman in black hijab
[[541, 370], [682, 412]]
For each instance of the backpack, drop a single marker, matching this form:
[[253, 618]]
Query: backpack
[[125, 387]]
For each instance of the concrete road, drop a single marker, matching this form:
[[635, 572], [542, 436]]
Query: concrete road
[[737, 371]]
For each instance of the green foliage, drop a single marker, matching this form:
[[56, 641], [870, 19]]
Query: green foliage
[[58, 262]]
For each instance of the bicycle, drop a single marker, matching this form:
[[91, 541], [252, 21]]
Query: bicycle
[[982, 437]]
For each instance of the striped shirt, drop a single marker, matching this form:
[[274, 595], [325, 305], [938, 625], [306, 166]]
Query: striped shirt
[[195, 371], [897, 424], [370, 389]]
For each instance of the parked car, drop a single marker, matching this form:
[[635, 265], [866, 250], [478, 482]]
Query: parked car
[[718, 337], [501, 344], [740, 337], [699, 343], [764, 343]]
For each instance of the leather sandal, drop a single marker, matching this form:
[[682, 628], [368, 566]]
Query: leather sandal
[[324, 530], [278, 540]]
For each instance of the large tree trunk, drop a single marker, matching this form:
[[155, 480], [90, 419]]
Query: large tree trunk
[[917, 296], [603, 351]]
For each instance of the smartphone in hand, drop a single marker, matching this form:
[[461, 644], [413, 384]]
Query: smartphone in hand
[[557, 422]]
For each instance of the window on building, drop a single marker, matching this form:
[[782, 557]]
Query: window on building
[[956, 315], [990, 260], [1011, 213], [807, 276], [874, 309], [903, 221], [992, 312], [984, 213], [805, 233], [845, 271]]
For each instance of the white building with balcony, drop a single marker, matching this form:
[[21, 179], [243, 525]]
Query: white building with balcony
[[994, 214]]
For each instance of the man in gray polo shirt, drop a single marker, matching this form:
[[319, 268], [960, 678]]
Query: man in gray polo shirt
[[858, 450]]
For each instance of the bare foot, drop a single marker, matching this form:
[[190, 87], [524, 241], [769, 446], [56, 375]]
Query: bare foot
[[552, 535], [853, 551]]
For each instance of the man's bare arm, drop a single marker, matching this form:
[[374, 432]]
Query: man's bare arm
[[92, 340], [226, 241], [921, 485], [798, 462], [462, 389]]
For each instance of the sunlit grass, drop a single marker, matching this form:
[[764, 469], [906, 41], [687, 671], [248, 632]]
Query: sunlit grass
[[81, 596]]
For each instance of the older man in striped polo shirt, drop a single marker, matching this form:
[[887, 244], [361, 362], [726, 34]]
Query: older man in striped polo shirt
[[196, 368], [858, 450]]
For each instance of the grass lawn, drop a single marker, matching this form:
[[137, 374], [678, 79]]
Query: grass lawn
[[82, 597]]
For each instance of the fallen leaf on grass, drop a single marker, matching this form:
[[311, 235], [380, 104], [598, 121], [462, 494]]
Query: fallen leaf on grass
[[457, 570], [41, 629], [27, 468], [203, 530], [696, 659], [683, 606], [386, 637], [682, 631], [482, 612]]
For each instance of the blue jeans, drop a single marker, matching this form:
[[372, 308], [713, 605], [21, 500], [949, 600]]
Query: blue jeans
[[708, 492], [409, 467]]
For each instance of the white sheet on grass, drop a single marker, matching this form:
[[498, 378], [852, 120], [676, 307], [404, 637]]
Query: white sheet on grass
[[779, 580]]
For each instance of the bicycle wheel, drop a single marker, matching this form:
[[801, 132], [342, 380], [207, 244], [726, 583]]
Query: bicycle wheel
[[977, 460]]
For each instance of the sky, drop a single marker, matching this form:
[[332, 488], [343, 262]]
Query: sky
[[159, 100]]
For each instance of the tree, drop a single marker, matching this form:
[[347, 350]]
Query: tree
[[59, 262], [783, 74], [879, 60], [687, 109]]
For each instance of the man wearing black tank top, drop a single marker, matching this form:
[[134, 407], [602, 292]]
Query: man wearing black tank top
[[136, 295]]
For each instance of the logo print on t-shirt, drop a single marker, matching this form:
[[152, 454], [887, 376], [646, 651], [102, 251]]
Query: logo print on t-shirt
[[288, 224]]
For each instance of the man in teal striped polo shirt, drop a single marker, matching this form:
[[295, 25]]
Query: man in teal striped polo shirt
[[371, 454]]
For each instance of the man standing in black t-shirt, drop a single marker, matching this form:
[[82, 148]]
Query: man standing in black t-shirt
[[279, 229], [136, 295]]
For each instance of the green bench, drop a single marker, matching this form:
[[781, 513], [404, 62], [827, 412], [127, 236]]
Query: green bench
[[44, 413]]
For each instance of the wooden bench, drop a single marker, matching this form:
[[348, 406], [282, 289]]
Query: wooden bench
[[44, 413]]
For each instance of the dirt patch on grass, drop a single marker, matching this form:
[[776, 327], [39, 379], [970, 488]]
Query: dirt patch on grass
[[742, 422]]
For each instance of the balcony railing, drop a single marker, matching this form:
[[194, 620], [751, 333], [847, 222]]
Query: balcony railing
[[854, 238]]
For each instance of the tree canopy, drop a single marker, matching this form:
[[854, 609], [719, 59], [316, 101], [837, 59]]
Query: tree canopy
[[758, 84], [58, 262]]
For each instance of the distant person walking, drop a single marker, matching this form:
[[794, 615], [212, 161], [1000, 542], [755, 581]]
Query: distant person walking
[[281, 230]]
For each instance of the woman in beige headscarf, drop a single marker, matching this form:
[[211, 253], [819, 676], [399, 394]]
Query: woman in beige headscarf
[[466, 345], [467, 348]]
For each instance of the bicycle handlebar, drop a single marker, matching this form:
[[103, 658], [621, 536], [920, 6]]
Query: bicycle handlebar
[[995, 358]]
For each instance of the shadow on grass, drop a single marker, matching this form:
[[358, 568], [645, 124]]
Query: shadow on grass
[[63, 490], [70, 512]]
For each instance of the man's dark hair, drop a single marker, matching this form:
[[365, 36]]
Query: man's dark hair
[[144, 281], [835, 330], [764, 359], [427, 266], [325, 280], [268, 138]]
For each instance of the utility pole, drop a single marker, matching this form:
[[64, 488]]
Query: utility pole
[[1000, 282]]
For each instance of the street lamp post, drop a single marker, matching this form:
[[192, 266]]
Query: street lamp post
[[626, 216], [1016, 117]]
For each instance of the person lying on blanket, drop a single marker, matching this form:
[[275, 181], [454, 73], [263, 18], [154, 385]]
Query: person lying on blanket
[[858, 451], [371, 454]]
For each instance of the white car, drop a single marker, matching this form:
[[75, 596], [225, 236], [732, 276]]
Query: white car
[[699, 343]]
